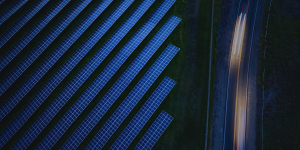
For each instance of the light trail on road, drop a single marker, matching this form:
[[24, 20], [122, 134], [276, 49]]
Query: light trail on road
[[236, 118], [240, 102]]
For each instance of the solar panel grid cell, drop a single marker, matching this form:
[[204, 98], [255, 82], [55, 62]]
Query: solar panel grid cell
[[24, 19], [154, 132], [22, 43], [11, 10], [58, 103], [84, 100], [54, 56], [144, 114], [131, 100]]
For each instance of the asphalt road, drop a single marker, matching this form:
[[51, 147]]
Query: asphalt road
[[237, 86]]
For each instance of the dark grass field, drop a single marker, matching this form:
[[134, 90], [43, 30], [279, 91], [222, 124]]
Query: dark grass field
[[281, 80], [186, 102]]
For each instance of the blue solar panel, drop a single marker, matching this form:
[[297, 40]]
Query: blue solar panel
[[17, 25], [34, 54], [53, 109], [96, 86], [144, 114], [17, 96], [11, 10], [1, 1], [50, 112], [84, 100], [130, 101], [31, 34], [154, 132]]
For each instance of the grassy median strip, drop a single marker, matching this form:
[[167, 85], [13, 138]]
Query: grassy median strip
[[217, 18]]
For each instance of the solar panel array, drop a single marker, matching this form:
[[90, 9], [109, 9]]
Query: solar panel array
[[103, 135], [6, 107], [144, 114], [154, 132], [79, 79], [59, 102], [11, 10], [17, 25], [17, 96], [131, 100], [82, 131], [1, 1], [54, 56], [88, 95], [32, 33], [31, 57]]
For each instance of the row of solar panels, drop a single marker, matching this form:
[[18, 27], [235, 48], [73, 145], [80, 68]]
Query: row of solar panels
[[110, 97]]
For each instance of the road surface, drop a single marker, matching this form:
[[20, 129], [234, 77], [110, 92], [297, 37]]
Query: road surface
[[235, 125]]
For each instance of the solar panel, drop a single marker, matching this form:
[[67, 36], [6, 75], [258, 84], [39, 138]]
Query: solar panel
[[17, 96], [1, 1], [154, 132], [96, 86], [11, 10], [57, 104], [54, 56], [18, 24], [130, 101], [144, 114], [85, 99], [38, 49], [31, 34]]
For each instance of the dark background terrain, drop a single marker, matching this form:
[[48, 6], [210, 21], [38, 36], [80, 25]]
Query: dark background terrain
[[281, 120]]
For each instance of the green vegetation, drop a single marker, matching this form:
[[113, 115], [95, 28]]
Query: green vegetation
[[186, 102], [281, 80]]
